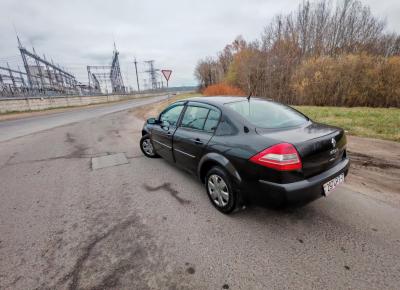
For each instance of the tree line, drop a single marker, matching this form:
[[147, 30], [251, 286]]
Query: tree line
[[323, 53]]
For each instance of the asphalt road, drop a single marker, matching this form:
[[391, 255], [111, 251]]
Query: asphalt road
[[147, 225], [21, 127]]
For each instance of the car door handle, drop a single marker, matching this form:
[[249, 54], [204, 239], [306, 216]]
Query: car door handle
[[198, 141]]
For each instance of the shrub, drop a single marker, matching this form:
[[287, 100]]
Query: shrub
[[348, 80], [222, 89]]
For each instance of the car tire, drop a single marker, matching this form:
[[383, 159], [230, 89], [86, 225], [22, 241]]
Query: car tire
[[224, 198], [147, 147]]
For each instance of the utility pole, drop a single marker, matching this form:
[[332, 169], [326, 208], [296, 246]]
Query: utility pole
[[137, 77]]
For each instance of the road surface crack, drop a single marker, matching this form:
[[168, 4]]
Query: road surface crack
[[78, 153], [167, 187], [8, 162], [74, 274]]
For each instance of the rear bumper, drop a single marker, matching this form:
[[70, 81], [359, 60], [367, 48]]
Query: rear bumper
[[305, 190]]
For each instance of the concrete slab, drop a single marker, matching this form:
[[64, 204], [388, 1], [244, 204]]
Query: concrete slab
[[108, 161]]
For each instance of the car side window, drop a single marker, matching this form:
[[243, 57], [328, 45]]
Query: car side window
[[212, 121], [194, 117], [226, 128], [171, 115]]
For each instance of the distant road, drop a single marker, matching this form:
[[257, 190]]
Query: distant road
[[21, 127]]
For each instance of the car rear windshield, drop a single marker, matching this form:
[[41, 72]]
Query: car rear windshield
[[267, 114]]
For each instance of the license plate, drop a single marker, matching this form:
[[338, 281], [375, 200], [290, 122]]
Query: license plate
[[332, 184]]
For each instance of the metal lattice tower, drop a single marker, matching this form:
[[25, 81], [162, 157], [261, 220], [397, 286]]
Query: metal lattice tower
[[102, 76], [152, 74], [40, 77], [115, 74], [44, 75]]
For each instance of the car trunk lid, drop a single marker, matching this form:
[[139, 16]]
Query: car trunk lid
[[320, 146]]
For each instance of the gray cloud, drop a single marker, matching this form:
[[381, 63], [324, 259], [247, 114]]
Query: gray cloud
[[175, 33]]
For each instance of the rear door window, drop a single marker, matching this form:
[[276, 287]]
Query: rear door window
[[212, 121]]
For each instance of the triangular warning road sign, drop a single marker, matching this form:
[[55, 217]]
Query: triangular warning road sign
[[167, 73]]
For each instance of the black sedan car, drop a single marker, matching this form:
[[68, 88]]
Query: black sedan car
[[249, 149]]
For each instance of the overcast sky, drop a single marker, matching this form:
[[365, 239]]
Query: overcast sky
[[175, 33]]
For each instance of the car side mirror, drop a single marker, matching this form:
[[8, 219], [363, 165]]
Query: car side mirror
[[152, 121]]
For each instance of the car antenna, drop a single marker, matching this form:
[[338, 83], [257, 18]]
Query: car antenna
[[248, 98]]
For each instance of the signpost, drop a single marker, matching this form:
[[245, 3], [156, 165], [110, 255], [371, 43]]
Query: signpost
[[167, 74]]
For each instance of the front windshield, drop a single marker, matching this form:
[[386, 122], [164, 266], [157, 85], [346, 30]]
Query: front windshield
[[266, 114]]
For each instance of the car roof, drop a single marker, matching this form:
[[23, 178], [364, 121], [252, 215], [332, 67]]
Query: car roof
[[220, 100]]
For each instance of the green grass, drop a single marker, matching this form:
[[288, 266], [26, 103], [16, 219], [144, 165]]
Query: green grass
[[381, 123]]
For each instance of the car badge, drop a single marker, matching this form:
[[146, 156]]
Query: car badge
[[333, 142]]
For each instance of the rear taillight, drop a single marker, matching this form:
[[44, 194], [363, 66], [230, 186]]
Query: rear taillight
[[282, 157]]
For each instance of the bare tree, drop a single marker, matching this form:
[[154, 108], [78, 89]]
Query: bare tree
[[315, 31], [208, 72]]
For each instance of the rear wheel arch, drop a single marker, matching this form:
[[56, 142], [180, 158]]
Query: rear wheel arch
[[210, 160], [205, 167]]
